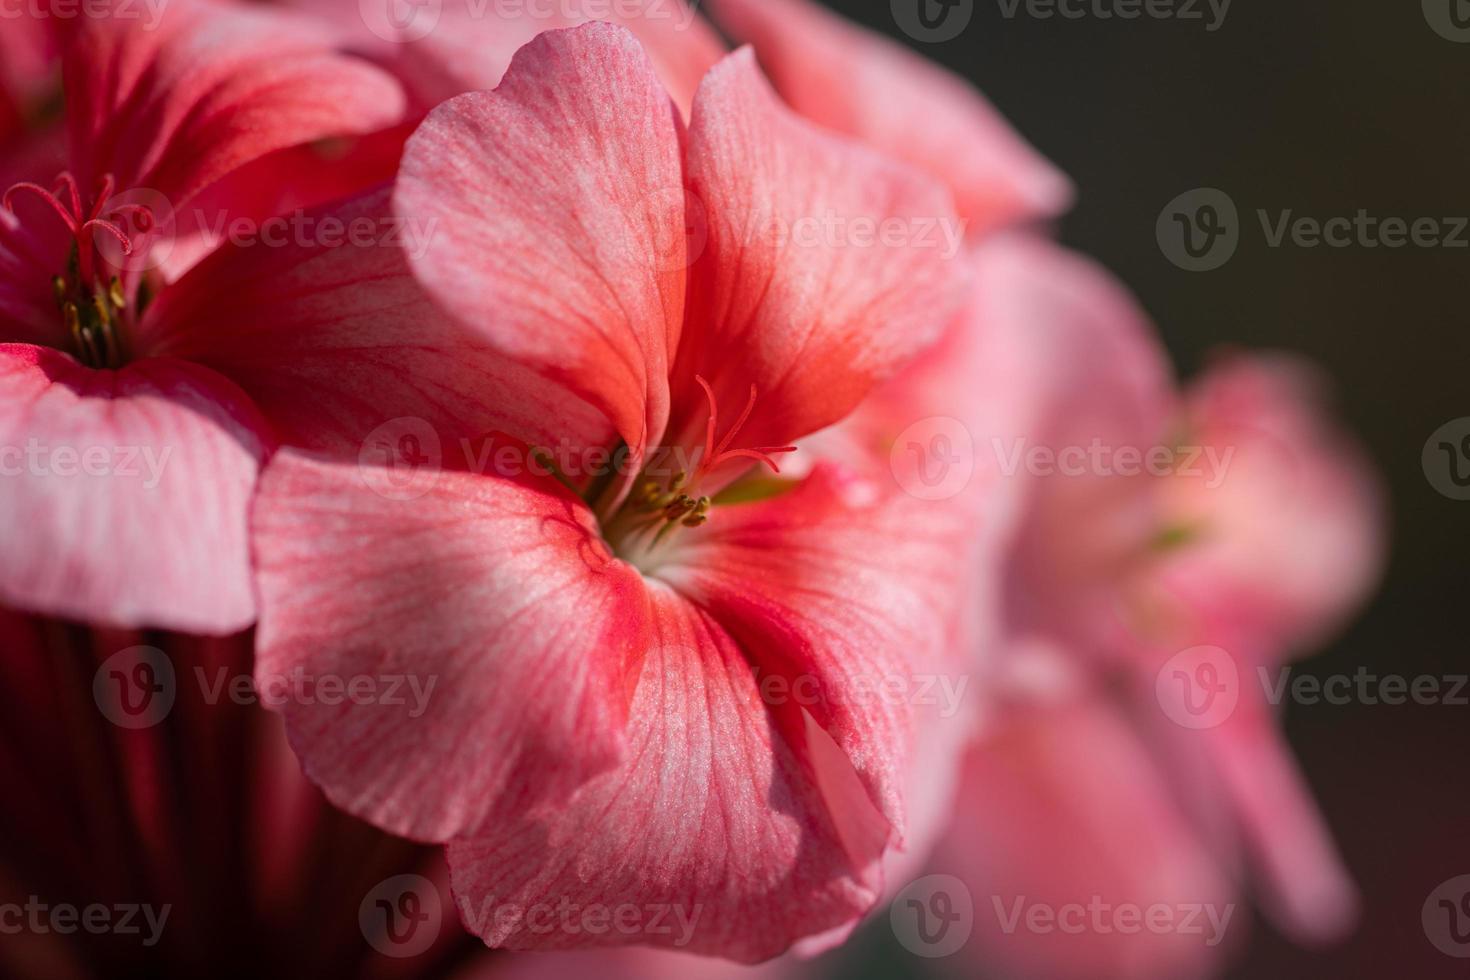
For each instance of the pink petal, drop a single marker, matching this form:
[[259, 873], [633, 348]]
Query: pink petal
[[151, 531], [332, 337], [581, 279], [1291, 528], [847, 596], [1062, 807], [1289, 539], [856, 82], [1096, 376], [174, 106], [981, 385], [712, 824], [1308, 891], [498, 594], [278, 184], [796, 290], [885, 423]]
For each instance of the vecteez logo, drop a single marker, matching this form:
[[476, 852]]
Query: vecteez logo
[[401, 459], [401, 21], [1199, 230], [1450, 19], [934, 916], [401, 916], [933, 459], [1210, 13], [136, 687], [1446, 917], [932, 21], [1446, 459], [1199, 687]]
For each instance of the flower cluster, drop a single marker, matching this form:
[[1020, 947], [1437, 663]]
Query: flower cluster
[[342, 277]]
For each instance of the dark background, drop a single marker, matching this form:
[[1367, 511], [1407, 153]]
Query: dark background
[[1323, 108]]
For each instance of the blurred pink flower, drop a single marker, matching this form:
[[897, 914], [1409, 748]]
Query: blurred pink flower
[[604, 732], [1289, 539], [1084, 785]]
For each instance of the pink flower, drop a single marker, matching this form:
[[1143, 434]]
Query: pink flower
[[607, 729], [1085, 786], [141, 388], [1288, 537], [1277, 550]]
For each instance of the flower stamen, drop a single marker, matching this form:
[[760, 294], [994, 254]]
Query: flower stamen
[[714, 455], [68, 217], [92, 304], [656, 509]]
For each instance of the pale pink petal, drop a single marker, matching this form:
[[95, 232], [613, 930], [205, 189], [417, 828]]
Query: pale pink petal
[[328, 331], [1062, 811], [826, 267], [854, 81], [943, 425], [498, 594], [126, 493], [1285, 515], [710, 838], [174, 106], [1308, 891], [1285, 537], [1099, 400], [1048, 357], [558, 207]]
